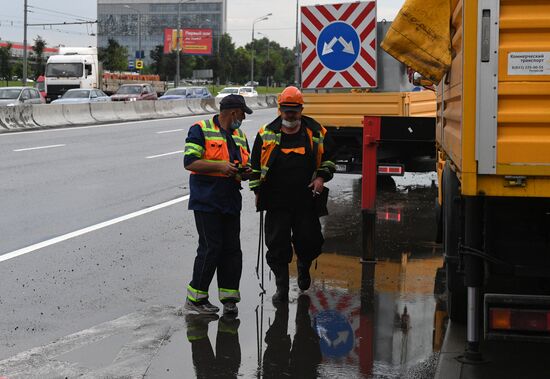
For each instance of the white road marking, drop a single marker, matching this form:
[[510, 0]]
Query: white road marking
[[38, 148], [89, 229], [164, 155], [170, 131]]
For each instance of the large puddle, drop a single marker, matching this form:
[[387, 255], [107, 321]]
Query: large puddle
[[357, 321]]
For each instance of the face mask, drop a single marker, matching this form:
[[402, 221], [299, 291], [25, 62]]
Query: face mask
[[290, 124], [236, 124]]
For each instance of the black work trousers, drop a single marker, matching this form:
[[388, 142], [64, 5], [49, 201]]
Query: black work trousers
[[219, 249], [285, 228]]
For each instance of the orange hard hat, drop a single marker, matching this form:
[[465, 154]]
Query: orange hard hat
[[291, 99]]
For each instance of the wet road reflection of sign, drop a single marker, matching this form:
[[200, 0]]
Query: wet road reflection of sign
[[336, 322]]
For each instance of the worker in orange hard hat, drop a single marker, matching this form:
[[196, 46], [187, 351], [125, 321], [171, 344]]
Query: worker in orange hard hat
[[290, 165]]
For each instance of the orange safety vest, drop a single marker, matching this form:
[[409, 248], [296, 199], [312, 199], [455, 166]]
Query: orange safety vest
[[271, 141], [215, 146]]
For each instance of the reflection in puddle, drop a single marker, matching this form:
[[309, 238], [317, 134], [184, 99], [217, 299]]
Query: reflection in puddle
[[357, 321], [393, 325]]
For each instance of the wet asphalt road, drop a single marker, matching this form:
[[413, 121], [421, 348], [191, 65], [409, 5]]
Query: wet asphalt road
[[129, 278]]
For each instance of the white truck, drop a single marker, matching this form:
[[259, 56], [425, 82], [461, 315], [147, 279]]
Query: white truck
[[74, 67]]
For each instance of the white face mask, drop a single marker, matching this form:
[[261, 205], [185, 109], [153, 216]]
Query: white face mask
[[290, 124]]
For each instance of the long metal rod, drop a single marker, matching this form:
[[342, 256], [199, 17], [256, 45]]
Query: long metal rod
[[26, 7], [252, 55], [177, 80], [473, 311], [297, 47], [139, 36]]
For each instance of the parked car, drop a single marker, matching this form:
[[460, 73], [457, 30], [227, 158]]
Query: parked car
[[80, 96], [227, 91], [248, 91], [11, 96], [186, 93], [134, 92], [244, 91], [252, 84]]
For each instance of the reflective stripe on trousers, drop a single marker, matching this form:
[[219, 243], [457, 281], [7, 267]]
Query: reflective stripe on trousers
[[196, 295], [229, 295]]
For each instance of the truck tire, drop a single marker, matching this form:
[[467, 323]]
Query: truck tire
[[451, 217]]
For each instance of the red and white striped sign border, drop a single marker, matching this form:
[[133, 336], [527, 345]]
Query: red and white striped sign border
[[362, 17]]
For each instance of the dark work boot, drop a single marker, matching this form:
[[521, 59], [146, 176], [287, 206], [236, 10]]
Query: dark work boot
[[281, 280], [304, 279]]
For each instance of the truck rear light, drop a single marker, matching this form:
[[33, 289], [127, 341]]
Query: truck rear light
[[397, 170], [500, 319], [519, 320]]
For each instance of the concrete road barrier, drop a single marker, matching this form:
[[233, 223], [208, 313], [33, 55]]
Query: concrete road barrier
[[271, 101], [125, 110], [145, 109], [195, 106], [166, 108], [181, 108], [16, 117], [252, 102], [59, 115], [262, 101], [7, 118], [209, 105], [78, 114], [49, 115], [104, 112]]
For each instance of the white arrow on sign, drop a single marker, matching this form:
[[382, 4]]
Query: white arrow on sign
[[348, 46], [327, 48], [342, 338]]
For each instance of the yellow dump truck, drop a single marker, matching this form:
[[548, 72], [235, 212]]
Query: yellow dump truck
[[493, 138], [410, 110]]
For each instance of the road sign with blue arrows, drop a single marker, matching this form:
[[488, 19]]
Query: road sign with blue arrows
[[339, 45]]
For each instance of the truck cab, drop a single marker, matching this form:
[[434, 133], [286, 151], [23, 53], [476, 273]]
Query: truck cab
[[72, 68]]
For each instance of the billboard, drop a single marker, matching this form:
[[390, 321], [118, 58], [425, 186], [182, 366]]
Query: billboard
[[192, 41]]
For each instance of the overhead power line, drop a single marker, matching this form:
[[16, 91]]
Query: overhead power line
[[60, 12]]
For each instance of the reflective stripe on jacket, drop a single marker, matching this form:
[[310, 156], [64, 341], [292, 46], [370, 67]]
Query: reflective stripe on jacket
[[215, 146], [271, 139]]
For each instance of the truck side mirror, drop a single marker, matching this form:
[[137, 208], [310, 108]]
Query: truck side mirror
[[419, 80]]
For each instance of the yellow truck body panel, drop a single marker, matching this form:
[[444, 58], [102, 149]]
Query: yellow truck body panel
[[349, 109], [523, 100]]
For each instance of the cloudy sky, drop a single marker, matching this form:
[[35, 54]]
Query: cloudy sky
[[280, 27]]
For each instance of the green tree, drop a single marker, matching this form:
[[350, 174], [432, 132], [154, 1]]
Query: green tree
[[38, 48], [241, 66], [5, 65], [114, 57], [17, 69], [164, 65]]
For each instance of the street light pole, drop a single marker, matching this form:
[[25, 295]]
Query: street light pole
[[25, 45], [268, 44], [263, 18], [177, 81], [297, 48]]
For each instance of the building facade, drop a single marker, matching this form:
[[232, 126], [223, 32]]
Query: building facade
[[135, 22]]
